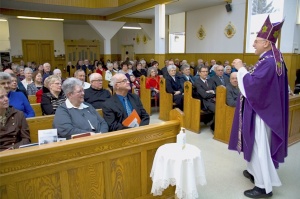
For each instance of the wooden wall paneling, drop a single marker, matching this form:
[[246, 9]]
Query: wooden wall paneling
[[31, 51], [40, 51], [82, 49], [87, 181], [46, 51]]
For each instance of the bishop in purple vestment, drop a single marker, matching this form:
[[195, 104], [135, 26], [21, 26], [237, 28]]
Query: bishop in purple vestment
[[260, 126]]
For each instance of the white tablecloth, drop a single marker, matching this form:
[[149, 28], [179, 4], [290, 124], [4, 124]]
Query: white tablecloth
[[174, 166]]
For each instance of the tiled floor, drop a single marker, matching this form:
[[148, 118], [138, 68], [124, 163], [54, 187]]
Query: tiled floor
[[224, 169]]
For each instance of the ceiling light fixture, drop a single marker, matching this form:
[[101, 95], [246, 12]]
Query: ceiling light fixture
[[52, 19], [3, 20], [25, 17], [40, 18], [131, 27]]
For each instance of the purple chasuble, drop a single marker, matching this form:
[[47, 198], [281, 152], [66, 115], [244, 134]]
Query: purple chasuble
[[267, 96]]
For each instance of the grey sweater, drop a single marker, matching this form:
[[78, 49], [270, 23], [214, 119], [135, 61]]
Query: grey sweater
[[74, 121]]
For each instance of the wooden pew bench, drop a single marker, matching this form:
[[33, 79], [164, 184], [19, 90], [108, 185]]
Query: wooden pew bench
[[145, 95], [224, 118], [32, 99], [110, 165], [165, 101], [43, 122], [37, 109]]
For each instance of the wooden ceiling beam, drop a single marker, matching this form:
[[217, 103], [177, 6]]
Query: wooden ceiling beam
[[82, 4], [12, 12], [138, 8]]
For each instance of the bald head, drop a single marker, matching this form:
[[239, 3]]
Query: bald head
[[9, 71], [233, 79]]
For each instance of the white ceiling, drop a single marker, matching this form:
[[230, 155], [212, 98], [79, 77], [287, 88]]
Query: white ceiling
[[172, 8]]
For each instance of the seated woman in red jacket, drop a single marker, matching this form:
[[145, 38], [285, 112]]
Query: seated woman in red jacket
[[152, 82], [14, 130]]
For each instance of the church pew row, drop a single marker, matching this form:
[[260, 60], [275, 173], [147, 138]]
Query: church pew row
[[192, 106], [224, 117], [32, 99], [37, 109], [145, 95], [42, 123], [111, 165], [192, 109]]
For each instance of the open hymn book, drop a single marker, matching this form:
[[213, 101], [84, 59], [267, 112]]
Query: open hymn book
[[133, 120]]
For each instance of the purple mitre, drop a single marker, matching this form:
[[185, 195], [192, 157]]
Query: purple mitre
[[270, 31]]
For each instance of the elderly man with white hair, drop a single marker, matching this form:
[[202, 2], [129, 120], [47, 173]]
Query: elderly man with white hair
[[96, 95], [122, 104], [47, 70]]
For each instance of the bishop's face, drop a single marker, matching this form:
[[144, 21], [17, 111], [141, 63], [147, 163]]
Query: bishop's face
[[260, 45]]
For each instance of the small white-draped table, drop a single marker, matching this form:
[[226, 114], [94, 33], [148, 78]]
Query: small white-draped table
[[184, 168]]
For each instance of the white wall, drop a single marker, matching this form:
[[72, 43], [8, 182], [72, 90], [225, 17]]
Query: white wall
[[4, 36], [82, 31], [20, 29], [290, 33], [214, 20]]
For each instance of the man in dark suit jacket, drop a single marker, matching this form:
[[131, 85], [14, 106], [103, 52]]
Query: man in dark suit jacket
[[121, 104], [173, 86], [232, 90], [206, 90], [220, 78], [185, 70]]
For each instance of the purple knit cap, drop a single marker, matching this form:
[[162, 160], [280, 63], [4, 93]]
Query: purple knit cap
[[271, 32]]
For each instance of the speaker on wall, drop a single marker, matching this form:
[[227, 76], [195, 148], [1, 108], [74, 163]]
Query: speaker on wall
[[228, 7]]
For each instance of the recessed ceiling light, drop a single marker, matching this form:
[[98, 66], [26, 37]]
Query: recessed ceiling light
[[131, 27]]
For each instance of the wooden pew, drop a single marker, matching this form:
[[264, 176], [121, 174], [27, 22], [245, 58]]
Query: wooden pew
[[37, 109], [192, 109], [145, 95], [110, 165], [43, 122], [32, 99], [294, 118], [165, 101], [104, 82], [224, 118]]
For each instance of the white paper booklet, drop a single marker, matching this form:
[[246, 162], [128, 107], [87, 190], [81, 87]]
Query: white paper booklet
[[47, 136]]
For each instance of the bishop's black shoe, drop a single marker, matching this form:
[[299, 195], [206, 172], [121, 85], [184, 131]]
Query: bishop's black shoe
[[257, 192], [248, 175]]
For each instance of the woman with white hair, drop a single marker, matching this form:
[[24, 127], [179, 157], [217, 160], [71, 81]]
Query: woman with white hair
[[54, 98], [28, 77], [174, 87], [36, 84], [75, 116]]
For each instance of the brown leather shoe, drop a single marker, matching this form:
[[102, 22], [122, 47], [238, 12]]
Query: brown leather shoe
[[257, 192], [248, 175]]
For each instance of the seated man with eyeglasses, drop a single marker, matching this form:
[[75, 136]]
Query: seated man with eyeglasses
[[96, 95], [121, 104]]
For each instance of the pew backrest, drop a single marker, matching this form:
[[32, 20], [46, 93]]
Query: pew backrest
[[192, 109], [223, 116], [32, 99], [165, 101], [39, 123], [37, 109], [145, 95]]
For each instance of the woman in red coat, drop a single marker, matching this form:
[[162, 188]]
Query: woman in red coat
[[152, 82]]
